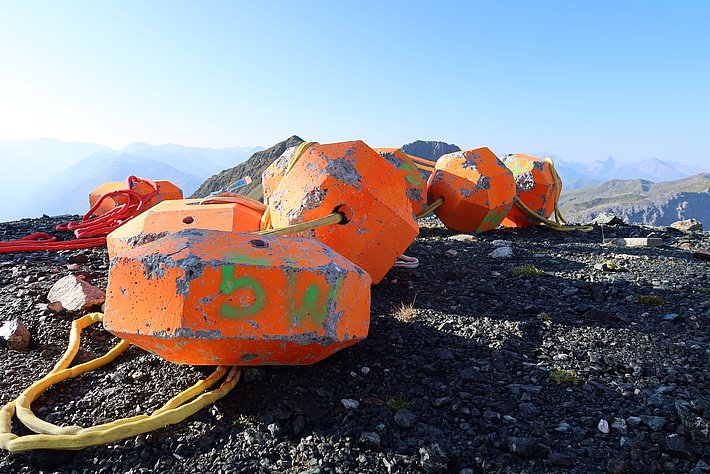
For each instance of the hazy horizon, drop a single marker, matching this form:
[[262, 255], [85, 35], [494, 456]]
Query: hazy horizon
[[584, 81]]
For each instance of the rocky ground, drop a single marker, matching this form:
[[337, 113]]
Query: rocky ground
[[554, 360]]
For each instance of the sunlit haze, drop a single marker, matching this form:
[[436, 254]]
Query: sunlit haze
[[583, 80]]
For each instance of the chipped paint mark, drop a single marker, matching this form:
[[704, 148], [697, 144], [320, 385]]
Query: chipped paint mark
[[524, 181], [248, 357], [343, 170]]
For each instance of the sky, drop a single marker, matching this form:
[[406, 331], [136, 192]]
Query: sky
[[584, 80]]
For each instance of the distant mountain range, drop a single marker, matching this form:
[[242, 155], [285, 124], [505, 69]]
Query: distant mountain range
[[46, 176], [70, 171], [581, 175], [641, 201]]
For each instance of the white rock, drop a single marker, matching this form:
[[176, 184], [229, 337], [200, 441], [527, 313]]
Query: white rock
[[463, 238], [603, 426], [688, 225], [350, 404], [502, 243], [502, 252], [15, 335], [75, 294]]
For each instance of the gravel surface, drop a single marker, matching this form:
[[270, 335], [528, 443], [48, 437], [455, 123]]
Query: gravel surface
[[566, 356]]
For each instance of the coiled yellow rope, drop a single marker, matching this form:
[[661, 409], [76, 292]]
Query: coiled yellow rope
[[75, 437]]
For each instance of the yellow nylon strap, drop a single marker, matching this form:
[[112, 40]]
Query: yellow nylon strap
[[75, 437], [266, 223], [431, 208]]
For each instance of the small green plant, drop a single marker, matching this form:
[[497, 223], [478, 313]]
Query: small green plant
[[562, 376], [244, 421], [700, 289], [544, 317], [651, 300], [406, 312], [612, 266], [527, 270], [397, 402]]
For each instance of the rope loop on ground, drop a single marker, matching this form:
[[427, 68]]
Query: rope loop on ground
[[50, 436]]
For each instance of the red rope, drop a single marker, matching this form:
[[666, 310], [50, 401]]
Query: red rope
[[90, 231]]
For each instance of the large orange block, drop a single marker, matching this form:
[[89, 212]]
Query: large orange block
[[166, 191], [477, 188], [353, 178], [535, 187], [173, 216], [207, 297], [414, 184]]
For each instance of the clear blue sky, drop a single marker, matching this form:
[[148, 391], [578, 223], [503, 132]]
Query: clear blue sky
[[581, 79]]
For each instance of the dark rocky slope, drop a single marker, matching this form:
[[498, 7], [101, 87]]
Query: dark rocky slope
[[253, 167], [493, 369]]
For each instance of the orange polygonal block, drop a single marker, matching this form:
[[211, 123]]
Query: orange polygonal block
[[207, 297], [173, 216], [352, 178], [413, 181], [478, 190], [166, 191], [535, 187]]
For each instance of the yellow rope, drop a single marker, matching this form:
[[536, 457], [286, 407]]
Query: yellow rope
[[266, 223], [559, 224], [432, 207], [551, 224], [76, 437], [330, 219]]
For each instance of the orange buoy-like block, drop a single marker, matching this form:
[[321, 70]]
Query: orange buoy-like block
[[478, 190], [352, 178], [535, 186], [207, 297], [173, 216], [413, 181], [166, 191]]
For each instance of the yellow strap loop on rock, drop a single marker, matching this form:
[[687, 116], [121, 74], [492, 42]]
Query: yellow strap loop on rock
[[266, 217], [559, 224], [76, 437]]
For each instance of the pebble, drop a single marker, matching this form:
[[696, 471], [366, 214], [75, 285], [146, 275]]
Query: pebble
[[656, 423], [404, 418], [350, 404], [603, 426], [370, 440], [15, 335], [502, 253], [451, 253], [75, 294], [463, 238]]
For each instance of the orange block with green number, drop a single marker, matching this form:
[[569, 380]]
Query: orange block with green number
[[172, 216], [166, 191], [206, 297], [477, 188], [352, 178], [414, 183], [535, 187]]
